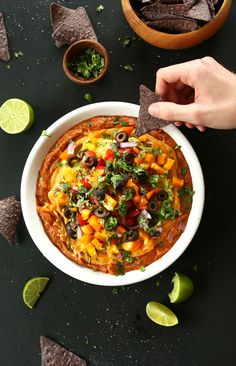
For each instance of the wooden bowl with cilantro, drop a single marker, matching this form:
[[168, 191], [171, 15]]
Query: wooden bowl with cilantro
[[85, 62]]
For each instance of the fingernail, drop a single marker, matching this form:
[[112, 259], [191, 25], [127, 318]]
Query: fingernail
[[153, 109]]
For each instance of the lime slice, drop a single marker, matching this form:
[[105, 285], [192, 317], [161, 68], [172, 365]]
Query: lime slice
[[183, 288], [33, 289], [160, 314], [16, 116]]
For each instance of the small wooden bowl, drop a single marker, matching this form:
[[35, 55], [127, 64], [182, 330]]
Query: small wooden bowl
[[175, 41], [75, 51]]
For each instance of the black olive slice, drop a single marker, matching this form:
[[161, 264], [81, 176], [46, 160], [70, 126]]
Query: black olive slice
[[121, 136], [98, 194], [91, 161], [80, 154], [100, 212], [152, 206], [72, 160], [71, 231], [162, 195]]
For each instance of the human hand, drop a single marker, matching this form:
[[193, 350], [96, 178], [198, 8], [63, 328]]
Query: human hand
[[200, 93]]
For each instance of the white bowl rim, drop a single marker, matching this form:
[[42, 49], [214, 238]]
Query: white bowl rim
[[34, 224]]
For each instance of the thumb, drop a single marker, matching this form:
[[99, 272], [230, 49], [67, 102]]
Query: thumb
[[173, 112]]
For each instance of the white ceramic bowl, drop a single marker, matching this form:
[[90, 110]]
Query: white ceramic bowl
[[35, 227]]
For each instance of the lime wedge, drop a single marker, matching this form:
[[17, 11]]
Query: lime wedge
[[183, 288], [160, 314], [16, 116], [33, 289]]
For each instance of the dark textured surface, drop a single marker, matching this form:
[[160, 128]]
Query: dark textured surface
[[102, 327]]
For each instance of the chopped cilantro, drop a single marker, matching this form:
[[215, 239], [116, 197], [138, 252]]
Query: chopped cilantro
[[124, 124], [128, 67], [126, 40], [8, 67], [65, 187], [45, 133], [142, 268], [167, 212], [157, 151], [184, 191], [58, 163], [154, 180], [128, 194], [115, 290], [116, 121], [126, 256], [88, 97], [88, 65], [100, 8], [183, 171], [111, 223], [143, 191], [106, 135], [143, 223], [116, 179], [177, 147], [122, 208], [119, 269], [18, 54]]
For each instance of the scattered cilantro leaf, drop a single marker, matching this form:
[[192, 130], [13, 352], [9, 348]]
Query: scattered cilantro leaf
[[88, 97], [111, 223], [18, 54], [45, 133], [100, 8], [128, 67]]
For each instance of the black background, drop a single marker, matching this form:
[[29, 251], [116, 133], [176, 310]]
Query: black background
[[105, 328]]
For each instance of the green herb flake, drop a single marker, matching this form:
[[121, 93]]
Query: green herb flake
[[88, 97], [177, 147], [143, 191], [116, 121], [184, 191], [45, 134], [65, 187], [58, 163], [124, 124], [8, 66], [122, 208], [126, 256], [183, 171], [18, 54], [119, 269], [115, 290], [110, 224], [167, 212], [157, 151], [126, 40], [154, 180], [100, 8], [142, 268], [128, 67], [106, 135]]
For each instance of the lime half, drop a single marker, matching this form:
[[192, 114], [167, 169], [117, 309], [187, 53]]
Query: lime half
[[160, 314], [16, 116], [33, 289], [183, 288]]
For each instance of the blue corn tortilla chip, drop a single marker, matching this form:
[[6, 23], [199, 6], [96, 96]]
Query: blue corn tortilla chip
[[59, 14], [4, 48], [52, 354], [200, 11], [145, 122], [10, 212], [150, 12], [75, 28], [175, 25]]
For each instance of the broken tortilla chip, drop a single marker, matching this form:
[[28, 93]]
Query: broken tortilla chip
[[146, 122], [10, 211], [52, 354], [4, 48], [58, 15], [75, 27]]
